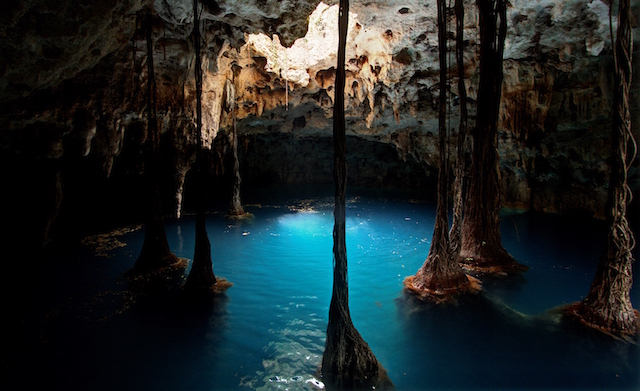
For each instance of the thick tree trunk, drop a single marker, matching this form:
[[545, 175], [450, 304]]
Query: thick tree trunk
[[607, 306], [481, 247], [348, 362], [155, 253], [441, 275], [201, 278], [459, 185]]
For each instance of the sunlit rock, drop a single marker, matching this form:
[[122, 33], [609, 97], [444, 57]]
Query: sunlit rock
[[554, 122]]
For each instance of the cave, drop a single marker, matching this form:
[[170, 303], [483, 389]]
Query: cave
[[117, 140]]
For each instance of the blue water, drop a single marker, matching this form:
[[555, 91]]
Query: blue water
[[80, 327]]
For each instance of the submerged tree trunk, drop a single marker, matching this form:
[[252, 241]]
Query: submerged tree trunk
[[201, 278], [236, 209], [459, 185], [348, 362], [607, 306], [441, 274], [155, 253], [481, 247]]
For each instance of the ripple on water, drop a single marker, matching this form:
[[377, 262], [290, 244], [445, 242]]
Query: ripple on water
[[269, 332], [294, 352]]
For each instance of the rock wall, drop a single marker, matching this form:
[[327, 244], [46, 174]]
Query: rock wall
[[73, 98]]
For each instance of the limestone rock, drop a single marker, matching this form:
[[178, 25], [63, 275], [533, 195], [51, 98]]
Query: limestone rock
[[73, 82]]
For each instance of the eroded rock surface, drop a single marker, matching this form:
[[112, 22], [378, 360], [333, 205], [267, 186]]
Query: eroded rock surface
[[72, 87]]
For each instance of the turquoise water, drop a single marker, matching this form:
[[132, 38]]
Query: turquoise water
[[82, 329]]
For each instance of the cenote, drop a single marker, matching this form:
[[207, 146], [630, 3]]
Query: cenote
[[83, 328], [136, 134]]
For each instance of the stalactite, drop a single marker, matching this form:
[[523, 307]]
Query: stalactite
[[135, 79], [236, 211], [249, 60], [164, 42], [237, 208], [180, 177], [286, 82]]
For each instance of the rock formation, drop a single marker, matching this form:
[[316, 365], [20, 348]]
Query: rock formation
[[72, 77]]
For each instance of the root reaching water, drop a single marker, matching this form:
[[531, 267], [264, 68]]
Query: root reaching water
[[442, 295]]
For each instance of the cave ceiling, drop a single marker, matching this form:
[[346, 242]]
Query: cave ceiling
[[45, 42], [77, 68]]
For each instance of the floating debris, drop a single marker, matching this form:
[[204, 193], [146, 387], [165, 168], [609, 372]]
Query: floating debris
[[221, 286], [104, 243], [316, 383]]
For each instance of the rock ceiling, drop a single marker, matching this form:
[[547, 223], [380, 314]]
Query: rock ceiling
[[45, 42], [281, 58]]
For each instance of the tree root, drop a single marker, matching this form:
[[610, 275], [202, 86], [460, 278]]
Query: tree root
[[572, 312], [221, 285], [471, 265], [445, 295]]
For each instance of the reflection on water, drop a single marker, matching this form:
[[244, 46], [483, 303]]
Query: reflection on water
[[481, 344], [294, 354], [180, 239], [268, 331]]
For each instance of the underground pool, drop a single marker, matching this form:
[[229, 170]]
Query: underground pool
[[82, 328]]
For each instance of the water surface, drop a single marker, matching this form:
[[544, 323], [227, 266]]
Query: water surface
[[81, 327]]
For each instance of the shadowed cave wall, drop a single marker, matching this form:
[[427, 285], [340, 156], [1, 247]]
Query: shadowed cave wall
[[73, 101]]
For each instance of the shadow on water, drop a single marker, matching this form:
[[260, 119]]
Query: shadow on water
[[108, 336], [478, 343], [503, 286], [75, 322]]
